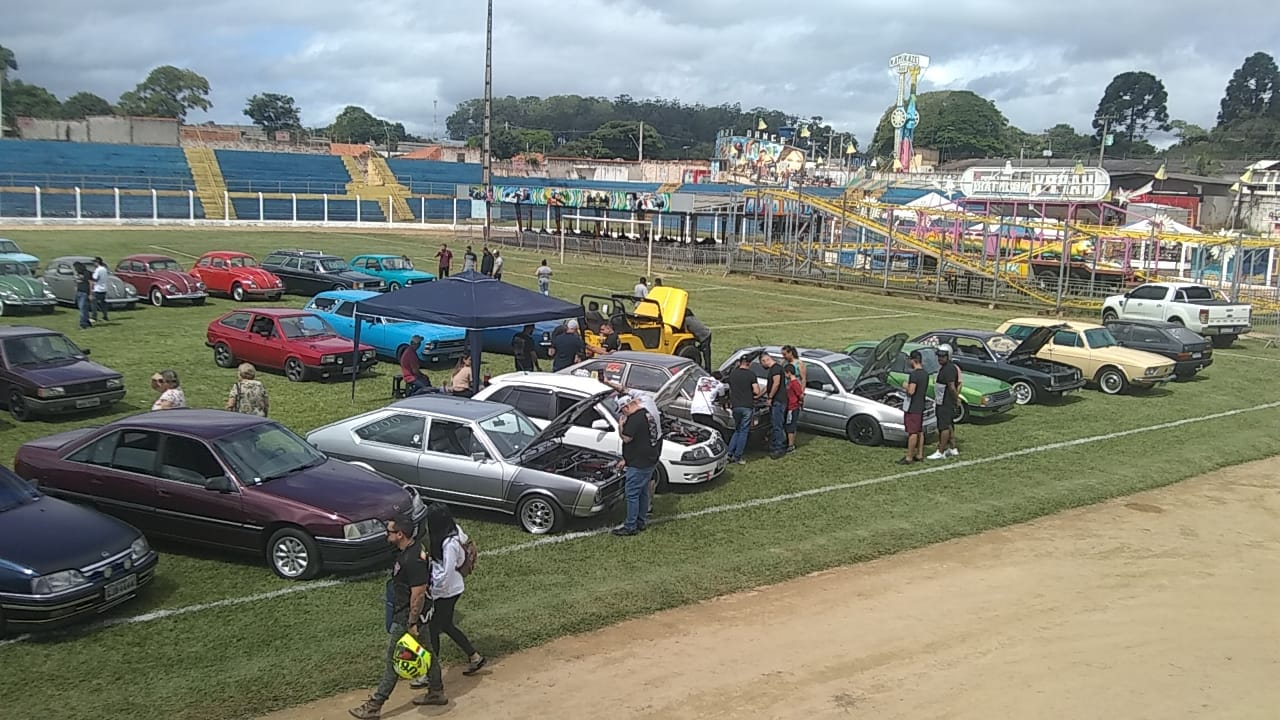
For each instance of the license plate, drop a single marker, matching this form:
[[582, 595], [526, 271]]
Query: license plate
[[123, 586], [88, 402], [1197, 356]]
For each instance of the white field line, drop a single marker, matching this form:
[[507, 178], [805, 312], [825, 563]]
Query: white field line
[[1242, 355], [810, 322], [714, 510], [176, 252]]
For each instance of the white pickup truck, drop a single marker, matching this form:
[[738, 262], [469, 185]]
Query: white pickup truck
[[1195, 307]]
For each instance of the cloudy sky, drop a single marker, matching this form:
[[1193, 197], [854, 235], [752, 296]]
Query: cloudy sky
[[1041, 62]]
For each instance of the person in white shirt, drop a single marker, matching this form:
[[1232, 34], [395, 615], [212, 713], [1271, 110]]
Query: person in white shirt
[[705, 396], [497, 264], [544, 278], [99, 278], [641, 290], [446, 546]]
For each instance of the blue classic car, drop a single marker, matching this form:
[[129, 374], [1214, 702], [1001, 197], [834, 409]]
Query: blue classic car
[[10, 248], [388, 336], [396, 270], [60, 561]]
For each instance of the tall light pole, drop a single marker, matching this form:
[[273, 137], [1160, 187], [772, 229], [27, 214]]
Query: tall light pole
[[486, 173]]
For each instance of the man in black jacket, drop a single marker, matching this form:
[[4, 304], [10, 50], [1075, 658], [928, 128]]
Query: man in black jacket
[[486, 262]]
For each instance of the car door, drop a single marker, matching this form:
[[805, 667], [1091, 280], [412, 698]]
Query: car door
[[61, 280], [1147, 301], [186, 509], [117, 474], [392, 443], [341, 314], [1068, 347], [263, 343], [581, 433], [458, 467], [1149, 339], [824, 404], [291, 273], [216, 275]]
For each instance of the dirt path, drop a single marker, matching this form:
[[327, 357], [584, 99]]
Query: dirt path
[[1161, 605]]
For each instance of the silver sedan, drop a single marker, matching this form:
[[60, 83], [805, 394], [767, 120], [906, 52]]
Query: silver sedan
[[482, 455]]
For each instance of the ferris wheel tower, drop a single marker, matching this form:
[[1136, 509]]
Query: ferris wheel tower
[[904, 117]]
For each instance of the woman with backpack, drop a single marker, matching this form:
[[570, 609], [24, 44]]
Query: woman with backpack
[[452, 556]]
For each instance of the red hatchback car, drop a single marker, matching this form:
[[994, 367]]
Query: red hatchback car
[[233, 273], [161, 279], [301, 344]]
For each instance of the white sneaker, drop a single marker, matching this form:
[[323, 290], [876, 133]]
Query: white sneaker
[[952, 453], [937, 455]]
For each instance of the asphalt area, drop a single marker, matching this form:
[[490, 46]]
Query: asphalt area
[[1158, 605]]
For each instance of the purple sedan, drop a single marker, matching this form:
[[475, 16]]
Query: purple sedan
[[231, 481]]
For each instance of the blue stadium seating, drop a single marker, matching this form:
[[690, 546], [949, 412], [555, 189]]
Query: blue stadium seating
[[312, 210], [14, 204], [249, 171], [49, 163]]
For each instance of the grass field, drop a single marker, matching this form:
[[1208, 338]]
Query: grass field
[[239, 658]]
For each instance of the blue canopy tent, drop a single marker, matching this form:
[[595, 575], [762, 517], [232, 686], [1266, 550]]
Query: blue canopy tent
[[470, 301]]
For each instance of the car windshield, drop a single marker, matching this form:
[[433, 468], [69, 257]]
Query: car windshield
[[295, 327], [1001, 344], [40, 349], [333, 264], [15, 491], [1100, 338], [165, 264], [511, 432], [265, 452], [14, 268], [1185, 336], [396, 264], [242, 261], [9, 246], [846, 372]]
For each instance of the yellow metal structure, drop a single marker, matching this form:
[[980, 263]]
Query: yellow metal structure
[[211, 188], [654, 324]]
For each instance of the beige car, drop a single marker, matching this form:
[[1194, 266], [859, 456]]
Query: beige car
[[1093, 350]]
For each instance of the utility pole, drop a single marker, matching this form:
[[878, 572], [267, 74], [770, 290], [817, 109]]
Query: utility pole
[[640, 152], [1102, 144], [435, 120], [486, 179]]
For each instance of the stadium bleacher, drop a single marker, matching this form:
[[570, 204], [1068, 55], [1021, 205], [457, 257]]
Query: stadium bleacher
[[49, 163], [282, 209], [246, 171]]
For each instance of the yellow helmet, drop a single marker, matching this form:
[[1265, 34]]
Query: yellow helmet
[[411, 659]]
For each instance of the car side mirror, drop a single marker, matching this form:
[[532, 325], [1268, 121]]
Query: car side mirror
[[1128, 295], [480, 457], [815, 385], [828, 388], [221, 484], [84, 351], [600, 424]]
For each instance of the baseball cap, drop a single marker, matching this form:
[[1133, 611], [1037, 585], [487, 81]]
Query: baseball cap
[[944, 349], [625, 399], [572, 324]]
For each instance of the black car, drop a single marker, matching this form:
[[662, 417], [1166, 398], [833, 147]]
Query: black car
[[307, 272], [997, 355], [60, 561], [1189, 351], [43, 373]]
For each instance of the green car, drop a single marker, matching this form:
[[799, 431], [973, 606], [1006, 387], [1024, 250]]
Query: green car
[[980, 396], [20, 289]]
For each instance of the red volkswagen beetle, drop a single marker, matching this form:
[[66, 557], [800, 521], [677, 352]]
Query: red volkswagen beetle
[[300, 343], [160, 279], [233, 273]]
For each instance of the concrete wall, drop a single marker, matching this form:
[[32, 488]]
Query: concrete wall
[[65, 130], [1262, 215], [153, 131], [102, 129]]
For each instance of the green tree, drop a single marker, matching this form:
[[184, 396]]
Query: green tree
[[1064, 141], [1188, 133], [26, 100], [620, 139], [356, 125], [273, 112], [1251, 91], [167, 92], [957, 123], [1136, 103], [8, 61], [83, 104]]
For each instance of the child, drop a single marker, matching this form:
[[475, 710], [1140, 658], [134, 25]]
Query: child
[[795, 401]]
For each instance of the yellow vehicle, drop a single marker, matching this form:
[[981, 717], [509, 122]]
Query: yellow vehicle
[[1094, 351], [654, 323]]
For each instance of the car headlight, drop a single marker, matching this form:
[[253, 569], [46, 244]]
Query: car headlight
[[51, 392], [199, 286], [49, 294], [695, 454], [328, 359], [130, 290], [431, 345], [357, 286], [171, 288], [1150, 371], [57, 582], [367, 355], [115, 384], [9, 295], [985, 401], [251, 283], [139, 549], [363, 530]]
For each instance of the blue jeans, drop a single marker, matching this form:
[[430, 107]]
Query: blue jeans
[[100, 305], [82, 303], [637, 490], [741, 429], [389, 678], [777, 417], [544, 286]]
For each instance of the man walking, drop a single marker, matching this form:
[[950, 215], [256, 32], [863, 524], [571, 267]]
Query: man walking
[[917, 388], [524, 350], [544, 278], [947, 398], [406, 599], [445, 256], [702, 334], [99, 278], [641, 437], [775, 389], [743, 391], [469, 260], [486, 261]]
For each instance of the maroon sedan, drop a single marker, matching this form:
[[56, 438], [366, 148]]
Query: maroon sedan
[[300, 343], [161, 279], [227, 480]]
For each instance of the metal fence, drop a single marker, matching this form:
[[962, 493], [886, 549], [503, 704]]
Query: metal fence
[[705, 259]]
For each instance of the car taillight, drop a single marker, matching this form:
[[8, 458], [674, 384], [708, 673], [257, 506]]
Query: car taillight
[[1184, 356], [1204, 316]]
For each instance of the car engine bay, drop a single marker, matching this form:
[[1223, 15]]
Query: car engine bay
[[576, 463], [683, 433]]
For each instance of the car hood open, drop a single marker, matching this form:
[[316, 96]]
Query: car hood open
[[670, 391], [560, 424], [882, 359], [1031, 345]]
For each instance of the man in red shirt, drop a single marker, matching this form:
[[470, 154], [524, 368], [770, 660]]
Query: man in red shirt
[[415, 381], [795, 401], [446, 259]]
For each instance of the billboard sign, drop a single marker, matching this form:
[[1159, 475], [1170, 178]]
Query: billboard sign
[[1039, 184]]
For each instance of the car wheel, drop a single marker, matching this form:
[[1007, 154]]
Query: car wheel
[[198, 301], [1111, 381], [1023, 392], [962, 413], [864, 430], [662, 481], [393, 287], [237, 293], [1177, 321], [293, 554], [295, 370], [1109, 315], [1222, 341], [157, 297], [18, 406], [689, 350], [222, 356], [539, 515]]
